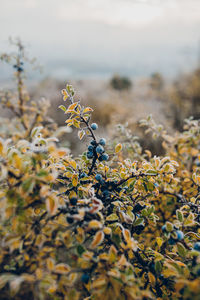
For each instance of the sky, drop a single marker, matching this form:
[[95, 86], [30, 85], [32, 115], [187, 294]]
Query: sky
[[96, 38]]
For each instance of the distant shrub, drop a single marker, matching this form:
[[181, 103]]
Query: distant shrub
[[156, 81], [120, 83], [114, 222]]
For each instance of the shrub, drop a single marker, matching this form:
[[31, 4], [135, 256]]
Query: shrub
[[83, 228], [120, 83]]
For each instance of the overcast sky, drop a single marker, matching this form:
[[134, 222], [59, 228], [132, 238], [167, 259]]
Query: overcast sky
[[99, 37]]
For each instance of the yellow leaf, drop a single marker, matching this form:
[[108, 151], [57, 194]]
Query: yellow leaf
[[151, 278], [98, 239], [50, 264], [94, 224], [87, 109], [51, 205], [118, 148], [62, 268], [73, 164], [159, 241], [107, 230], [81, 134], [75, 180], [72, 107]]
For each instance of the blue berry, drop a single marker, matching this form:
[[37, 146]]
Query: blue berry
[[164, 228], [171, 241], [99, 149], [89, 154], [102, 142], [82, 175], [106, 193], [70, 219], [98, 177], [93, 142], [180, 235], [197, 246], [90, 148], [73, 200], [85, 278], [104, 156], [94, 126]]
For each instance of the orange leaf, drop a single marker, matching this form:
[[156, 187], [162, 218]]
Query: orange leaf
[[98, 239]]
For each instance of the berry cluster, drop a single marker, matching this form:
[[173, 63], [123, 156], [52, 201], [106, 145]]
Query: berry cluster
[[96, 149]]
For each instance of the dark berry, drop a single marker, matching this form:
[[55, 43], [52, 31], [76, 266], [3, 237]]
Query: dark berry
[[90, 148], [73, 201], [138, 229], [138, 207], [89, 155], [106, 193], [99, 149], [94, 126], [98, 177], [102, 142], [171, 241], [19, 69], [197, 246], [70, 220], [164, 228], [93, 142], [85, 278], [103, 157]]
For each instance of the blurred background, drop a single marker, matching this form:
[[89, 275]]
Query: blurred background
[[125, 58]]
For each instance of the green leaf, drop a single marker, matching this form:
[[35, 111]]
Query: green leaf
[[28, 185], [179, 215], [181, 250], [112, 217], [138, 221], [158, 267], [151, 172], [169, 226], [62, 107], [80, 250]]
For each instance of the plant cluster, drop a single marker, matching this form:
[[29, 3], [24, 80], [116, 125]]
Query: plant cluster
[[114, 222]]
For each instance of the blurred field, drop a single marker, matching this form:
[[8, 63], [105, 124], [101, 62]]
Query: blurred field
[[168, 102]]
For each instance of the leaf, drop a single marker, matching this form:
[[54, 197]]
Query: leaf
[[159, 241], [94, 224], [76, 123], [98, 239], [87, 109], [181, 250], [72, 107], [118, 148], [73, 164], [158, 267], [15, 285], [81, 134], [51, 205], [80, 250], [179, 215], [50, 264], [112, 217], [62, 268], [74, 180], [62, 107], [28, 185], [151, 172], [138, 221], [169, 226]]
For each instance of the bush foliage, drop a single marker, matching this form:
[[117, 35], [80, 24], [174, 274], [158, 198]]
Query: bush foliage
[[114, 222]]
